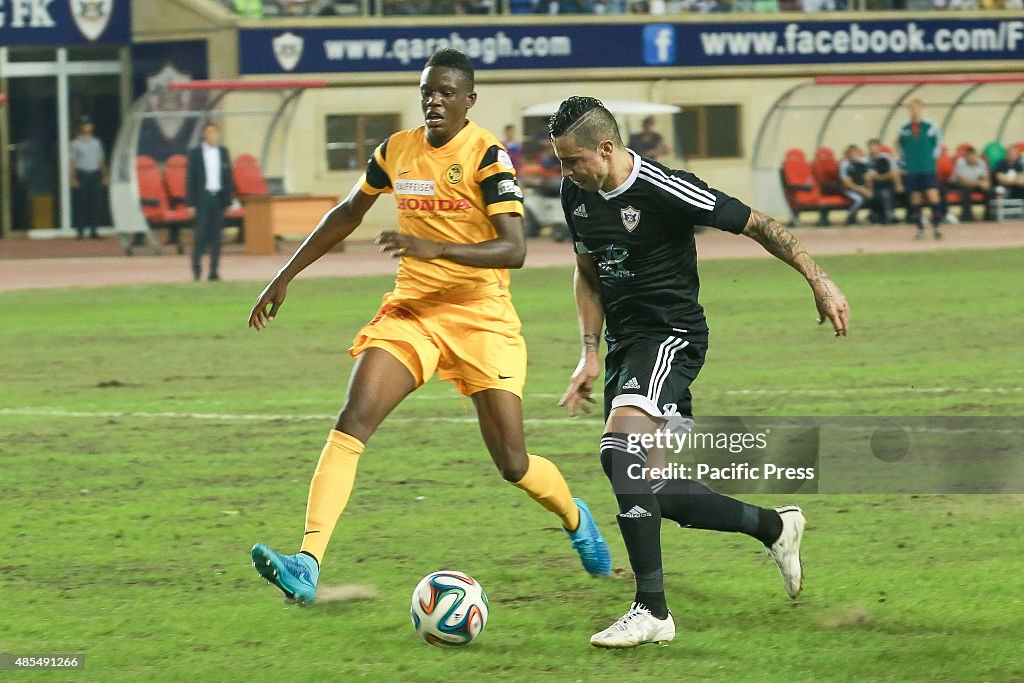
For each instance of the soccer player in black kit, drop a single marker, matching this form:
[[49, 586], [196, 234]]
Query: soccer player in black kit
[[632, 222]]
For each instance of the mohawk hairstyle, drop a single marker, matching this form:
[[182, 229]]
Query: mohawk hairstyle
[[588, 119], [453, 59]]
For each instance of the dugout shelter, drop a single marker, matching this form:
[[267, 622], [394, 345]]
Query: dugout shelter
[[147, 165], [833, 111]]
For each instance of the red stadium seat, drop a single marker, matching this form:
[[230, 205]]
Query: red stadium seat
[[798, 181], [802, 190], [826, 171], [153, 195], [249, 182], [156, 205], [175, 172], [248, 177], [944, 165]]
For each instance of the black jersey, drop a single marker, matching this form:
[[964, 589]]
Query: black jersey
[[640, 236]]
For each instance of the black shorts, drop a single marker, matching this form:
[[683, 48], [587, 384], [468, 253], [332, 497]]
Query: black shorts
[[919, 182], [653, 374]]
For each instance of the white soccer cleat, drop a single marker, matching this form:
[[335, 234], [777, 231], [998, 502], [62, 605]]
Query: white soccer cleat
[[636, 627], [786, 550]]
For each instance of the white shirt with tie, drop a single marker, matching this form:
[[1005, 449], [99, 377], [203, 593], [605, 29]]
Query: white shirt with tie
[[211, 162]]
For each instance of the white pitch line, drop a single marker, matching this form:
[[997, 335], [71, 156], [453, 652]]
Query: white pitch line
[[873, 390], [471, 419], [252, 417], [591, 421], [827, 392], [424, 396]]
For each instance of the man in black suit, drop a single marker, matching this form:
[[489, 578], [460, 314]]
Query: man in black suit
[[210, 189]]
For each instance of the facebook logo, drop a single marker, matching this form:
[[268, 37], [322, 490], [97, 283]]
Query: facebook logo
[[659, 44]]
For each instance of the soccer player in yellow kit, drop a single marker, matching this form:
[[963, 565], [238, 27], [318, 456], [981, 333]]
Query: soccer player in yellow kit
[[460, 216]]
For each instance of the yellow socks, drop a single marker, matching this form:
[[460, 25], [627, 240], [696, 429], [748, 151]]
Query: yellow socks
[[546, 485], [336, 473], [329, 491]]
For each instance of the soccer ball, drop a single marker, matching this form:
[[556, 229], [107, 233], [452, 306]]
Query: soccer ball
[[449, 608]]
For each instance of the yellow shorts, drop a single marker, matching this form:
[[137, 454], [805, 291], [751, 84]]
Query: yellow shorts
[[473, 344]]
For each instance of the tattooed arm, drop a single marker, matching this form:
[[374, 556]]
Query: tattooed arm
[[781, 244]]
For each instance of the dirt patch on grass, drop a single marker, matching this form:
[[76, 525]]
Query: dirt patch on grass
[[345, 593]]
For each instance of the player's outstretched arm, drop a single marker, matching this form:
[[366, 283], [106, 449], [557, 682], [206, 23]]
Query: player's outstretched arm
[[507, 250], [591, 319], [336, 225], [781, 244]]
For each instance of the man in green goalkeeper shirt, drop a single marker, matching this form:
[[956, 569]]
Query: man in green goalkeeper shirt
[[920, 142]]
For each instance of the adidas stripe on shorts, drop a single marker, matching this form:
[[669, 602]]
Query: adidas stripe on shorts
[[653, 374]]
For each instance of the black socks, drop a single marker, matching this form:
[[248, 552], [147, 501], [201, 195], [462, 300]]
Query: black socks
[[689, 503], [655, 602], [686, 502], [639, 516]]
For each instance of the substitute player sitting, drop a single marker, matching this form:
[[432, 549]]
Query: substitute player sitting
[[461, 227], [632, 222]]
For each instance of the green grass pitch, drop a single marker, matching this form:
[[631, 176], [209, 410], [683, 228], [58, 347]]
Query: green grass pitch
[[149, 439]]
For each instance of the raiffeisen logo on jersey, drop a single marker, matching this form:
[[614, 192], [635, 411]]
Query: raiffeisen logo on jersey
[[417, 204]]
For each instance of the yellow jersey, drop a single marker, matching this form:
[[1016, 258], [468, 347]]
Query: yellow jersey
[[445, 194]]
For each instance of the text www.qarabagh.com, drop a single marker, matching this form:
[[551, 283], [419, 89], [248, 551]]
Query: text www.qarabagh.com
[[488, 50], [795, 40]]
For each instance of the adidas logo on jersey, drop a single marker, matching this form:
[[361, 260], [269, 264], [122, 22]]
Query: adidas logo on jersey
[[635, 512], [581, 211], [631, 384]]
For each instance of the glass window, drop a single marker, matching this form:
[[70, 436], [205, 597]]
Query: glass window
[[708, 132], [33, 153], [94, 53], [31, 54], [351, 138]]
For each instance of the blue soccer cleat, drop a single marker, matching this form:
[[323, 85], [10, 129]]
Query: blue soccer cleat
[[295, 575], [589, 543]]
